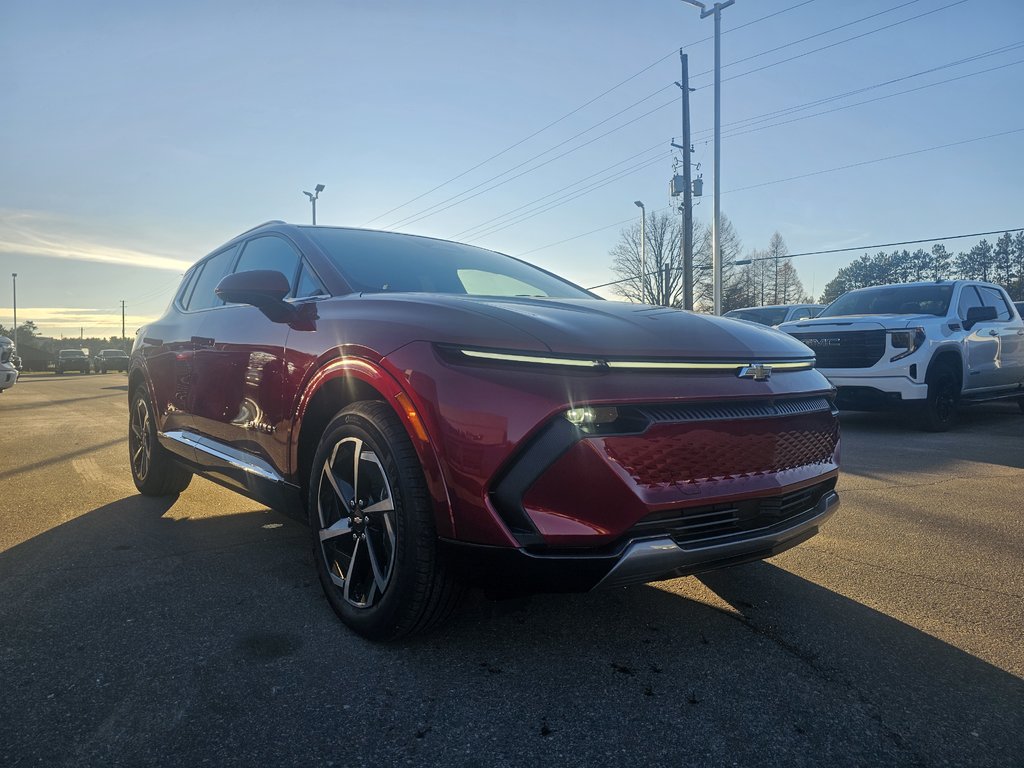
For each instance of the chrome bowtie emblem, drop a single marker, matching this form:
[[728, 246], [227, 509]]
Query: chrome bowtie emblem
[[757, 372]]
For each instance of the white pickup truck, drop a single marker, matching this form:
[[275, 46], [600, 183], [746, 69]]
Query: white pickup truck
[[929, 346]]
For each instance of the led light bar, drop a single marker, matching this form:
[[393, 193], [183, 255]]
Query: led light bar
[[645, 365]]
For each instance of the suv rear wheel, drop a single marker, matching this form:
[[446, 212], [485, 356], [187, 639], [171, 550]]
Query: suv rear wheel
[[374, 540], [938, 412], [154, 471]]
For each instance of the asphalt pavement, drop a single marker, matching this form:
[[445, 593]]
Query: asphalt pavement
[[192, 632]]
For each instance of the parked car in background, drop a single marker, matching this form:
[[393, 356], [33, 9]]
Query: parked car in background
[[8, 372], [926, 346], [71, 360], [775, 314], [110, 360], [442, 414]]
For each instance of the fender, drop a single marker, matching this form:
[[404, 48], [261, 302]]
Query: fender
[[371, 373]]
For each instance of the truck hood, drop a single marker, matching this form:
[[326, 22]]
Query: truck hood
[[856, 322], [582, 327]]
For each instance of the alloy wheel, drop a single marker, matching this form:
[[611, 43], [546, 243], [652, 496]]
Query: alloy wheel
[[140, 439], [356, 512]]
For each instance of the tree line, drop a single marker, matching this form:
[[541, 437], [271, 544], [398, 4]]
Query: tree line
[[765, 276], [1001, 263]]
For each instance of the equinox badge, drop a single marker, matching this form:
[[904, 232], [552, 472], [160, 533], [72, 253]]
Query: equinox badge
[[757, 372]]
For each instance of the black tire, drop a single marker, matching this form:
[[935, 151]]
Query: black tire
[[377, 558], [153, 468], [938, 413]]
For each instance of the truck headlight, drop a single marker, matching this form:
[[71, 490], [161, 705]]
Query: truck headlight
[[909, 340]]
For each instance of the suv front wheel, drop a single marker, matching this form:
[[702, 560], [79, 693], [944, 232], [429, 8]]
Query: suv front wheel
[[374, 540], [154, 471]]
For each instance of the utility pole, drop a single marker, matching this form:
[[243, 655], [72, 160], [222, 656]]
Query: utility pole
[[716, 245], [122, 320], [686, 246], [643, 250], [14, 289]]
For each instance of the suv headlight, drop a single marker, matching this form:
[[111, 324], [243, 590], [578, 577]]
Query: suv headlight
[[909, 340]]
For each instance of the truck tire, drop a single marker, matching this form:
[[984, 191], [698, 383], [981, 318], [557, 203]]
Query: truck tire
[[938, 413]]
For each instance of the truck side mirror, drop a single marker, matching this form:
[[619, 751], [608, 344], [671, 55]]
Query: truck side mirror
[[977, 315]]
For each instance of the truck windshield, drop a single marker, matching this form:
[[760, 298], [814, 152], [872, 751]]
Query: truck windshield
[[913, 299], [762, 315]]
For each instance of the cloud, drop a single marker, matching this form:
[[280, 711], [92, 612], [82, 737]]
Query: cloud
[[23, 232], [54, 320]]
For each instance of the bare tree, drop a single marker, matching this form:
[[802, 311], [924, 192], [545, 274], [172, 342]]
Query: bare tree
[[664, 277]]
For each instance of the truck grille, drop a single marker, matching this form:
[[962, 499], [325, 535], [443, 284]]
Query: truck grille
[[699, 523], [845, 349]]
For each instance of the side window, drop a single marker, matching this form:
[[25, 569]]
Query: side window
[[186, 285], [213, 269], [803, 313], [968, 298], [994, 298], [269, 252], [308, 284]]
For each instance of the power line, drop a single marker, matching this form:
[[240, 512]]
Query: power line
[[453, 200], [580, 108], [790, 110], [844, 250], [876, 160]]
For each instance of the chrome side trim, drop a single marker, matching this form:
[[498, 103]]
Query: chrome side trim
[[661, 558], [234, 458]]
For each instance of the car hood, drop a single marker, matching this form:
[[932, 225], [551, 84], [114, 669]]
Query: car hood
[[855, 322], [580, 327]]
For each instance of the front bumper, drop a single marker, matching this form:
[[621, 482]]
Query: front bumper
[[899, 387], [633, 561], [8, 376]]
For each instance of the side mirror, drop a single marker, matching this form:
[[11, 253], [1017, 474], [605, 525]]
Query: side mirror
[[977, 315], [262, 288]]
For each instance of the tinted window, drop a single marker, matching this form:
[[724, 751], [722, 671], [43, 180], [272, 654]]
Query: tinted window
[[308, 284], [375, 262], [994, 298], [762, 315], [213, 269], [186, 286], [968, 298], [269, 252], [911, 299]]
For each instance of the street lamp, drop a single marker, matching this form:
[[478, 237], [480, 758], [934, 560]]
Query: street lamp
[[14, 291], [313, 197], [716, 245], [643, 250]]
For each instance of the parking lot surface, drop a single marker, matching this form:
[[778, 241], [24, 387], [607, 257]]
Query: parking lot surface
[[137, 631]]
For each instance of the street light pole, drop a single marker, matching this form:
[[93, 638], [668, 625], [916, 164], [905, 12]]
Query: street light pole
[[716, 245], [643, 250], [313, 198], [14, 290]]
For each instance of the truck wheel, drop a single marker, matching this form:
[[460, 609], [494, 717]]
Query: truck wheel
[[373, 534], [154, 471], [939, 410]]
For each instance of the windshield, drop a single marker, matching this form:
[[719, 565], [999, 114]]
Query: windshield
[[113, 353], [71, 353], [913, 299], [376, 262], [762, 315]]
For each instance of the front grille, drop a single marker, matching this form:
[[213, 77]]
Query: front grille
[[694, 524], [680, 454], [673, 414], [845, 349]]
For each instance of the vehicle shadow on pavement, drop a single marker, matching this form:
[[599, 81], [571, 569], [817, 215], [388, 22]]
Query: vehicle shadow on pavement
[[156, 638]]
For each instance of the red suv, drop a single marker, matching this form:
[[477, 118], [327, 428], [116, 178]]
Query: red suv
[[444, 415]]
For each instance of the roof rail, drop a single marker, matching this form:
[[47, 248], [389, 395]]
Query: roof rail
[[264, 224]]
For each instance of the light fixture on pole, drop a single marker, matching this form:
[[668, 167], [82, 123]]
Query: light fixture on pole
[[716, 245], [14, 291], [643, 250], [313, 198]]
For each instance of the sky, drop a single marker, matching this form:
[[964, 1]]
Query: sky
[[136, 137]]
